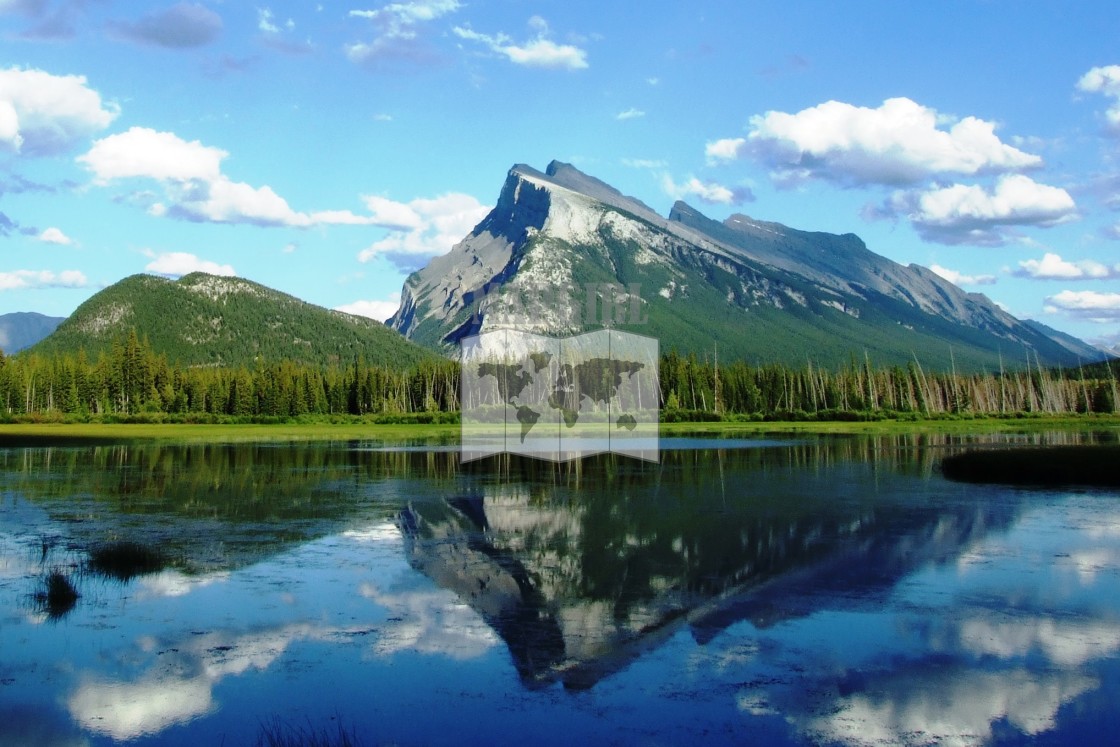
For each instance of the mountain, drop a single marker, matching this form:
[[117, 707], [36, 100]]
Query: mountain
[[23, 329], [759, 291], [205, 319]]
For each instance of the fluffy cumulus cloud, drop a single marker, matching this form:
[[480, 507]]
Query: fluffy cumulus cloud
[[1091, 305], [1053, 267], [177, 264], [379, 310], [710, 193], [1106, 81], [898, 143], [180, 26], [726, 149], [195, 186], [972, 214], [143, 152], [630, 113], [959, 278], [398, 31], [424, 228], [25, 279], [54, 235], [537, 52], [43, 114]]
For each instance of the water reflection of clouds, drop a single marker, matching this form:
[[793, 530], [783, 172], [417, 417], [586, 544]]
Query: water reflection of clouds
[[179, 687], [1021, 625], [178, 684], [1064, 644], [173, 583], [429, 621], [957, 705]]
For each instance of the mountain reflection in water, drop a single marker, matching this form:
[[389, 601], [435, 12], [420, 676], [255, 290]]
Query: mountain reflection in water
[[580, 576]]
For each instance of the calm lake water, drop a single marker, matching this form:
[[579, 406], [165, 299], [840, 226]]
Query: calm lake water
[[782, 591]]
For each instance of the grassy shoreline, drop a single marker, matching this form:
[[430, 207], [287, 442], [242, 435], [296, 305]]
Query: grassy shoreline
[[35, 434]]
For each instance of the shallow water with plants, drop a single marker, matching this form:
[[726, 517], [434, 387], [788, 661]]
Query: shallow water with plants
[[808, 589]]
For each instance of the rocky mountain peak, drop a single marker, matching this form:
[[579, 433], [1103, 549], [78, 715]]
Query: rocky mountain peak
[[758, 289]]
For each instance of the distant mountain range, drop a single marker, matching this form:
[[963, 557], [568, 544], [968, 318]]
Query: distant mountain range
[[23, 329], [756, 290], [202, 320]]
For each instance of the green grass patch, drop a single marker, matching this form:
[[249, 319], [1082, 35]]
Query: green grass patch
[[78, 434]]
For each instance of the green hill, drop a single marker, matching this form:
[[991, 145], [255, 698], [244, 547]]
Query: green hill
[[207, 320]]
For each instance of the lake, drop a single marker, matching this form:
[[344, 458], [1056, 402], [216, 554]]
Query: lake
[[809, 589]]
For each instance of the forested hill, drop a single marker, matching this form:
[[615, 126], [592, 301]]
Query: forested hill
[[209, 320]]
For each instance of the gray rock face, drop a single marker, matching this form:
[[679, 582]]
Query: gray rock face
[[757, 290]]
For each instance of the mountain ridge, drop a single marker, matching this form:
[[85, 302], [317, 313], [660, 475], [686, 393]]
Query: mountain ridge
[[201, 320], [760, 291], [22, 329]]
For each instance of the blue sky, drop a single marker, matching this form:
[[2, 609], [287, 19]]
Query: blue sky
[[326, 149]]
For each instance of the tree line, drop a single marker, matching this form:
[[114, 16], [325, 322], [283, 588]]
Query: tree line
[[132, 380]]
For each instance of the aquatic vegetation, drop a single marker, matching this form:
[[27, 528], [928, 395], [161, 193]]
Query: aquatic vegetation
[[57, 596], [124, 561], [279, 733], [1050, 465]]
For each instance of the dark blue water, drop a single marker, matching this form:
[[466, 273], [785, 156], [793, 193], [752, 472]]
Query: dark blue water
[[769, 592]]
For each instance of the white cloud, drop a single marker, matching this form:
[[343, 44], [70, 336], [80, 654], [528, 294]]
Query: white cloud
[[196, 187], [376, 309], [266, 22], [630, 113], [710, 193], [1053, 267], [970, 214], [54, 235], [727, 149], [425, 228], [959, 278], [181, 26], [177, 264], [34, 279], [398, 35], [43, 114], [1106, 81], [391, 214], [408, 13], [143, 152], [644, 163], [539, 52], [900, 142], [1091, 305], [226, 201]]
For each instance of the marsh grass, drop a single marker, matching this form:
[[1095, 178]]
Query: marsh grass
[[125, 561], [279, 733], [57, 597]]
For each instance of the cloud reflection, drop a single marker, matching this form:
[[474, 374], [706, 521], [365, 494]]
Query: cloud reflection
[[957, 706], [1064, 644], [179, 688], [430, 622]]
